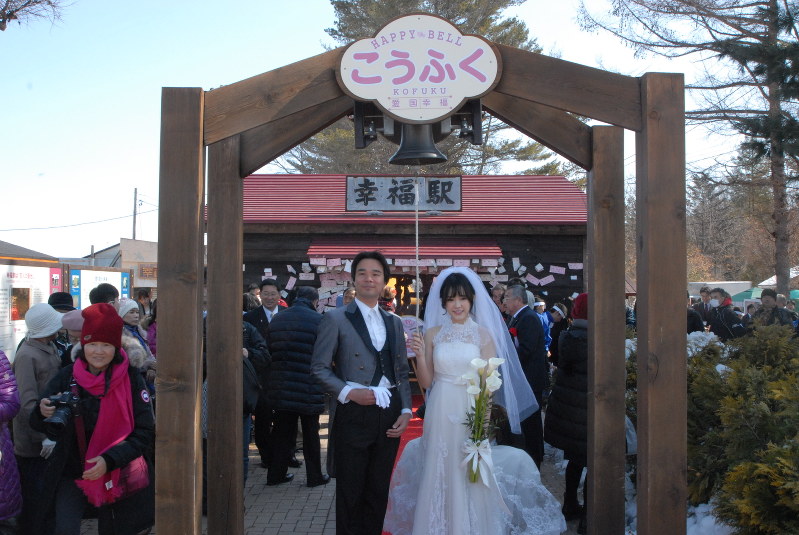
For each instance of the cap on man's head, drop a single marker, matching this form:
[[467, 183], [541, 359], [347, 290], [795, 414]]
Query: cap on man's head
[[61, 301]]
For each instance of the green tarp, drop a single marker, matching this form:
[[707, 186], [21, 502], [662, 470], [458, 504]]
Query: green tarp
[[754, 293]]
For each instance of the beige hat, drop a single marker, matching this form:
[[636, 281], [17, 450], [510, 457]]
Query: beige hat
[[42, 321], [72, 320]]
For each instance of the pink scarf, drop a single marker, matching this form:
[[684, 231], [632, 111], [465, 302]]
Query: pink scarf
[[114, 424]]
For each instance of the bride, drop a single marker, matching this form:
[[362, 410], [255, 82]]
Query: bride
[[430, 489]]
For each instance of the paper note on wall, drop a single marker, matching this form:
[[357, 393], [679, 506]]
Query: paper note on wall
[[532, 280], [318, 261], [557, 269], [575, 265], [460, 262], [546, 280], [307, 276], [291, 282]]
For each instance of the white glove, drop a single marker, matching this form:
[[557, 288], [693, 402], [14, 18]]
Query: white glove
[[47, 448], [382, 396]]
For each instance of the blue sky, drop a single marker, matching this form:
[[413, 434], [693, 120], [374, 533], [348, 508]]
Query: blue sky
[[81, 115]]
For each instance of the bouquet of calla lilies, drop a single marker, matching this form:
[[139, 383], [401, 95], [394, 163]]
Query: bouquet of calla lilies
[[483, 380]]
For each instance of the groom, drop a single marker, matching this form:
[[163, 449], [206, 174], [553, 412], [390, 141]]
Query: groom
[[360, 359]]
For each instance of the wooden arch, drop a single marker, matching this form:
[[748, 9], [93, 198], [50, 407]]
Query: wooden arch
[[249, 123]]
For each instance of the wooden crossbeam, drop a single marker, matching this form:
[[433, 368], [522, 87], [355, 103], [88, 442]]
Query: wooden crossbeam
[[238, 107], [551, 127], [601, 95]]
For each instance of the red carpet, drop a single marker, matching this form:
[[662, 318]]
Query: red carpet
[[414, 429]]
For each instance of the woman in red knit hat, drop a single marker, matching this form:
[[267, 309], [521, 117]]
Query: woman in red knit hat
[[567, 412], [113, 413]]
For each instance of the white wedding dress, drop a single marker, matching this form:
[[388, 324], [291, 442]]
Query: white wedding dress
[[430, 490]]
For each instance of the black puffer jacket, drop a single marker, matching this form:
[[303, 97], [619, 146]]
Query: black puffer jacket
[[292, 335], [566, 422], [130, 515]]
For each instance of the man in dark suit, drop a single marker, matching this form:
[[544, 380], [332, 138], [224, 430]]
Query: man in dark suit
[[361, 360], [264, 414], [528, 337], [704, 307], [261, 316]]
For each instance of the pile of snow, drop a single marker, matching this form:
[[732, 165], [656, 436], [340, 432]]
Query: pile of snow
[[702, 522], [697, 341]]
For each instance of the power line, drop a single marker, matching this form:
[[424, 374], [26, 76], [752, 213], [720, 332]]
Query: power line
[[74, 224]]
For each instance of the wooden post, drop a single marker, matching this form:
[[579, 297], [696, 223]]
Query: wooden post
[[224, 340], [662, 272], [606, 363], [180, 278]]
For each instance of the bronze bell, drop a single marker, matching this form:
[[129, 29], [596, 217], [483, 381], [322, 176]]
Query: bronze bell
[[417, 146]]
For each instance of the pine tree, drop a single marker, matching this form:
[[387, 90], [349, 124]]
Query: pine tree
[[752, 82]]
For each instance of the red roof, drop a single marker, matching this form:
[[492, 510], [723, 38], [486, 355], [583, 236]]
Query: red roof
[[486, 199], [403, 247]]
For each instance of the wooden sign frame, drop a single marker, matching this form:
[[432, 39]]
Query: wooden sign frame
[[249, 123]]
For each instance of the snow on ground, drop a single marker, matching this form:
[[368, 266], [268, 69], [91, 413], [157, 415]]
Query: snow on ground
[[700, 519]]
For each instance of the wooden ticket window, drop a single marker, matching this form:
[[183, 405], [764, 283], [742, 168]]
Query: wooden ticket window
[[249, 123]]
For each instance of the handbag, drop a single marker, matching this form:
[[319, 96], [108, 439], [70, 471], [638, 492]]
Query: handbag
[[133, 477]]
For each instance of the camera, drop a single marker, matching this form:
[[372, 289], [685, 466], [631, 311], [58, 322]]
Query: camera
[[65, 404]]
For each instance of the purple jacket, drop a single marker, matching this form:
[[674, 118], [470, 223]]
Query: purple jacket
[[152, 332], [10, 495]]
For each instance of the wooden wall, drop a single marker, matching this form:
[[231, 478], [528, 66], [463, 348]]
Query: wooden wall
[[275, 251]]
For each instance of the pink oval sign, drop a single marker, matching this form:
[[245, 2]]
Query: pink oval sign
[[419, 68]]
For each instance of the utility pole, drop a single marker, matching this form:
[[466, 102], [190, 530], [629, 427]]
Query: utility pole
[[135, 203]]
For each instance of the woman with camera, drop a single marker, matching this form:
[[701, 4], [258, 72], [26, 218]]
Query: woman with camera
[[98, 410]]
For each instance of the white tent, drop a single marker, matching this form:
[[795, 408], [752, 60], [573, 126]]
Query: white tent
[[772, 281]]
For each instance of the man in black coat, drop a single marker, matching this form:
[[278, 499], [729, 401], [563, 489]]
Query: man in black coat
[[724, 322], [770, 312], [292, 391], [260, 318], [528, 337], [695, 322]]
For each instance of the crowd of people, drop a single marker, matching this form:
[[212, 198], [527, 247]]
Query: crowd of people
[[715, 313], [79, 400]]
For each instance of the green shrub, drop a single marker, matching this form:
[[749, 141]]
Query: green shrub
[[762, 497], [742, 431], [743, 427]]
